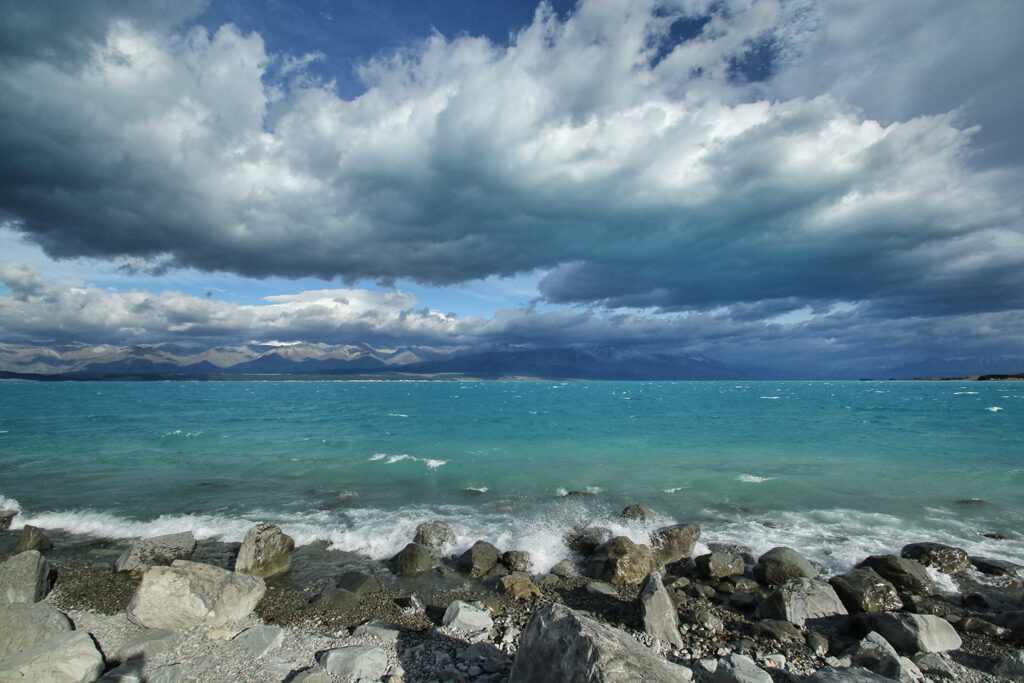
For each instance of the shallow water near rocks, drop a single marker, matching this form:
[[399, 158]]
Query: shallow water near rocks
[[838, 470]]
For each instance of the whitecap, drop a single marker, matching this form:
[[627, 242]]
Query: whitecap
[[677, 489], [378, 456], [753, 479], [476, 489], [771, 397], [993, 409], [397, 415]]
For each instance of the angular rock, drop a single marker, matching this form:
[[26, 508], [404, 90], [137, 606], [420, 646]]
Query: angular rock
[[637, 513], [411, 603], [190, 594], [620, 560], [559, 644], [355, 662], [799, 600], [601, 588], [935, 664], [32, 538], [673, 543], [170, 673], [565, 569], [479, 559], [1011, 666], [310, 675], [863, 590], [906, 575], [360, 582], [518, 587], [992, 567], [414, 559], [69, 656], [437, 536], [462, 616], [259, 640], [913, 633], [338, 600], [853, 674], [5, 518], [266, 551], [147, 644], [717, 566], [517, 560], [25, 577], [383, 631], [486, 656], [739, 669], [158, 551], [23, 625], [945, 558], [781, 630], [585, 541], [780, 564], [658, 612], [875, 653]]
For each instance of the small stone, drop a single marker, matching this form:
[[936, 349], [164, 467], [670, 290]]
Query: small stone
[[354, 662], [781, 630], [32, 538], [383, 631], [517, 560], [601, 588], [462, 616], [565, 569], [518, 587], [259, 640]]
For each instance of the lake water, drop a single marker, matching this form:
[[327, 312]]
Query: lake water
[[838, 470]]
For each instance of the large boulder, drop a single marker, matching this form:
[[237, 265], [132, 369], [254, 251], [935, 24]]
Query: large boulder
[[517, 560], [22, 625], [945, 558], [437, 536], [68, 657], [190, 594], [414, 559], [559, 644], [158, 551], [266, 551], [673, 543], [863, 590], [780, 564], [799, 600], [737, 668], [24, 578], [637, 513], [355, 662], [32, 538], [906, 575], [479, 559], [585, 540], [658, 612], [620, 560], [913, 633], [467, 618], [518, 587], [717, 566]]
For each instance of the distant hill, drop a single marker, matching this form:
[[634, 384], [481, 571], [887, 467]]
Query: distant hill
[[956, 367]]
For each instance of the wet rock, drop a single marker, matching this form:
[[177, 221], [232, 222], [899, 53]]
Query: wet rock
[[906, 575], [32, 538], [266, 551], [673, 543], [25, 577], [354, 662], [411, 603], [620, 560], [658, 612], [158, 551], [1011, 666], [739, 669], [190, 594], [799, 600], [996, 567], [718, 565], [479, 559], [414, 558], [23, 625], [438, 537], [780, 564], [561, 645], [585, 541], [946, 559], [863, 590], [637, 513], [68, 656], [5, 518], [853, 674], [362, 583], [913, 633], [517, 560], [462, 616], [565, 569], [518, 587], [259, 640], [337, 600]]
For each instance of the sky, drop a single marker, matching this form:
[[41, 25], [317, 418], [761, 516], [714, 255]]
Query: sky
[[819, 184]]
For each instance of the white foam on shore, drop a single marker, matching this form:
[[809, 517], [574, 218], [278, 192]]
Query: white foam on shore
[[752, 479], [9, 503]]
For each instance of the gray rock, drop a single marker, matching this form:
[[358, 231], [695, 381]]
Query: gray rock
[[946, 559], [518, 587], [383, 631], [601, 588], [799, 600], [915, 633], [190, 594], [462, 616], [565, 569], [310, 675], [355, 662], [673, 543], [817, 642], [411, 603], [863, 590], [585, 540], [259, 640], [128, 672], [935, 664], [266, 551], [992, 567], [66, 657], [486, 656], [414, 559], [637, 513], [338, 600], [873, 652], [781, 630], [1011, 666], [479, 559], [23, 625], [24, 577], [717, 566], [171, 673], [658, 612], [158, 551], [437, 536], [5, 518], [620, 560], [739, 669], [780, 564], [360, 582], [32, 538], [517, 560], [147, 644], [559, 644], [906, 575], [853, 674]]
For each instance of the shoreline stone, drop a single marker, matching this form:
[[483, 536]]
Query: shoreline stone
[[266, 551]]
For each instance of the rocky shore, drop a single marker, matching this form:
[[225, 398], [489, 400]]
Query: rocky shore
[[170, 609]]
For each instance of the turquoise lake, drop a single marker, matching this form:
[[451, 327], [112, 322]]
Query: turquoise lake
[[838, 470]]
